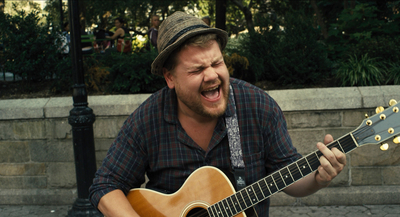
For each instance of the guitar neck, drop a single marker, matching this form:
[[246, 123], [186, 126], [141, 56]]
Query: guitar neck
[[279, 180]]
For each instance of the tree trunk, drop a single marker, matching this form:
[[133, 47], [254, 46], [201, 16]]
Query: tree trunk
[[247, 14], [220, 14], [320, 19]]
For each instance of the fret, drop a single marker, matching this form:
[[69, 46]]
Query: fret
[[340, 146], [240, 200], [278, 180], [318, 154], [313, 162], [252, 196], [287, 177], [266, 185], [354, 140], [299, 169], [262, 195], [211, 211], [304, 166], [348, 143], [220, 210], [246, 198], [271, 184], [295, 171], [226, 207], [283, 180], [214, 210], [234, 204]]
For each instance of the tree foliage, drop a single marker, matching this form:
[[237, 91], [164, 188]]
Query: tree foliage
[[30, 46]]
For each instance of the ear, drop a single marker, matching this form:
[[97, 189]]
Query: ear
[[169, 78]]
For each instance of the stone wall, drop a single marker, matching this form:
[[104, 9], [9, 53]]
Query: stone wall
[[37, 163]]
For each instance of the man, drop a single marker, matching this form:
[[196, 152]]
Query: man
[[182, 127], [153, 31]]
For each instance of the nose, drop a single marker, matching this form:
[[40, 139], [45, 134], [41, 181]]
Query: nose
[[210, 74]]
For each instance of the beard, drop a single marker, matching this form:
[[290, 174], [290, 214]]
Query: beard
[[193, 102]]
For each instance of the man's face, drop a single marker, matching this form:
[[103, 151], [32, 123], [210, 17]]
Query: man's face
[[201, 81]]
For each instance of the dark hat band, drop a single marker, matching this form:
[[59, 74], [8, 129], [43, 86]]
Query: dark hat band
[[183, 31]]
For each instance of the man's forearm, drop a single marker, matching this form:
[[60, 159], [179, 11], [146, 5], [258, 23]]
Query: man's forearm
[[115, 204]]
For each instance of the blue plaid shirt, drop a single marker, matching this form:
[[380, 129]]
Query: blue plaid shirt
[[152, 141]]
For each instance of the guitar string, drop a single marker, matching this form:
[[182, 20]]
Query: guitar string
[[345, 143], [257, 191], [259, 188]]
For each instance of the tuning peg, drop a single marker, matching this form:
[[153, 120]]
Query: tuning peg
[[396, 140], [379, 109], [384, 146], [392, 102], [366, 115]]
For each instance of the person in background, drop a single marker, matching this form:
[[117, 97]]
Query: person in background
[[65, 39], [153, 31], [207, 20], [189, 124], [120, 29]]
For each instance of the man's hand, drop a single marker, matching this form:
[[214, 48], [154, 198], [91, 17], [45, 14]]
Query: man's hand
[[332, 163]]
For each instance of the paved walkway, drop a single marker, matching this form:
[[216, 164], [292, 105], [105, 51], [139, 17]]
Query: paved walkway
[[285, 211]]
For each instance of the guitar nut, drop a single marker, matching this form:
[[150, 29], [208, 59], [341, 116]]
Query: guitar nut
[[377, 137], [382, 116], [396, 109], [391, 130], [369, 122]]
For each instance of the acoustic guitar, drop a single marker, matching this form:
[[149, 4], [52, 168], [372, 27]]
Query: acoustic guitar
[[208, 192]]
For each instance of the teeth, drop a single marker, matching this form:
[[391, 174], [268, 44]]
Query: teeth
[[212, 89]]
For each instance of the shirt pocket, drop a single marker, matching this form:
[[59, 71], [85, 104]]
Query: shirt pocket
[[254, 167]]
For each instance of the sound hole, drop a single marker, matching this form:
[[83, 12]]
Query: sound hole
[[197, 212]]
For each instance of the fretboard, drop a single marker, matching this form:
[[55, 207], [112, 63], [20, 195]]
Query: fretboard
[[275, 182]]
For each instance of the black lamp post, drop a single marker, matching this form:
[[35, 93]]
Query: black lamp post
[[81, 118]]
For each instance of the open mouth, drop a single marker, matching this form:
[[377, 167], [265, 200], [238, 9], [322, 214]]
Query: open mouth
[[212, 93]]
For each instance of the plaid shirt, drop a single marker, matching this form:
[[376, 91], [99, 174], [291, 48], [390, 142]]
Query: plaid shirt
[[152, 141]]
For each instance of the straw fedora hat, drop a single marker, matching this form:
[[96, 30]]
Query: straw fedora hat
[[175, 30]]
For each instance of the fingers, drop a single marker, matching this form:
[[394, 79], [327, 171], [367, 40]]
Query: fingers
[[332, 162], [328, 139]]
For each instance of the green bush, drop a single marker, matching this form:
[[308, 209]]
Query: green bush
[[30, 47], [293, 56], [358, 30], [364, 71], [384, 47], [131, 73], [393, 74]]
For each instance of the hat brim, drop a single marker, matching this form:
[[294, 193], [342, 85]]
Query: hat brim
[[158, 63]]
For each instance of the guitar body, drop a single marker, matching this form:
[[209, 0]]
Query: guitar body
[[204, 187]]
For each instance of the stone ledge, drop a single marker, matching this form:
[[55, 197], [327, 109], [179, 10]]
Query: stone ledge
[[372, 195], [329, 196], [289, 100], [37, 196]]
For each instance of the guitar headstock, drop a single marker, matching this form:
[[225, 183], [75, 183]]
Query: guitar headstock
[[380, 127]]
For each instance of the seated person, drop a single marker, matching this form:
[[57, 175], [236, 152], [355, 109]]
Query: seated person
[[121, 30]]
